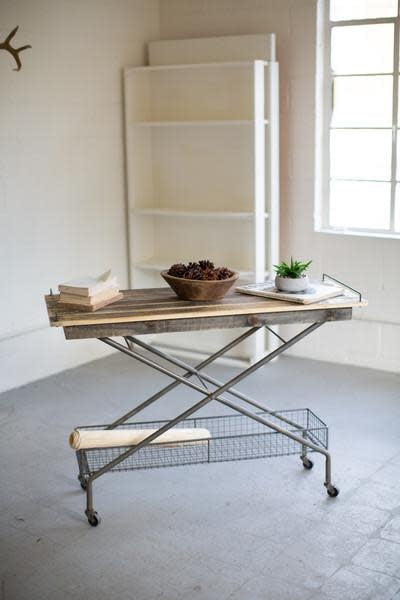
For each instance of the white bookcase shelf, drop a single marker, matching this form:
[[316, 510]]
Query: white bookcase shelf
[[202, 214], [202, 162], [211, 123], [192, 66]]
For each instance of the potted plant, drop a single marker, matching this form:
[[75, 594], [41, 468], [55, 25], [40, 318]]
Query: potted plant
[[292, 278]]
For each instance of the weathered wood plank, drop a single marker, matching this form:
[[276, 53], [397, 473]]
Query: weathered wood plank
[[161, 304], [221, 322]]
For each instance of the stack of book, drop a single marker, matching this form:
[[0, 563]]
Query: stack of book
[[90, 293]]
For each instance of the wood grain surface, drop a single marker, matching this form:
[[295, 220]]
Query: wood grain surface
[[159, 304]]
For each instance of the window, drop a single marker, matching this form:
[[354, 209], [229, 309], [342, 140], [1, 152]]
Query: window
[[361, 188]]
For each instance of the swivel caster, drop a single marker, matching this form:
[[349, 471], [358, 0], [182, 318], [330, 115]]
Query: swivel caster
[[93, 518], [332, 491], [307, 463], [82, 481]]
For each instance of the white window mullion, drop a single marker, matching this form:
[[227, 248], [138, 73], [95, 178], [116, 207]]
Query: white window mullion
[[395, 117], [350, 22], [323, 101]]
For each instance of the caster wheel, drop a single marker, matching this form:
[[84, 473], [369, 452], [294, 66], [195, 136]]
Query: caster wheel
[[82, 482], [332, 491], [307, 463], [93, 519]]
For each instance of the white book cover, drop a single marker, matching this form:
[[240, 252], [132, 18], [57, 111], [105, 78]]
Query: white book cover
[[316, 292], [89, 286]]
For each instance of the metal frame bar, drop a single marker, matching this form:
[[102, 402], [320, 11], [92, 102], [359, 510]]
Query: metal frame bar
[[208, 396], [175, 383], [195, 371], [212, 380], [327, 276]]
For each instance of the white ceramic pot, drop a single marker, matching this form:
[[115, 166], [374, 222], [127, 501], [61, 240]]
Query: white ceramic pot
[[288, 284]]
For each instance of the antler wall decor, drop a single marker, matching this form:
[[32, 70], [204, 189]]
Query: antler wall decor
[[13, 51]]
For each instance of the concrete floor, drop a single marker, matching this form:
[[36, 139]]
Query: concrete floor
[[250, 530]]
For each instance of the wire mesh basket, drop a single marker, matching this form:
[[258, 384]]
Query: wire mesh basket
[[233, 437]]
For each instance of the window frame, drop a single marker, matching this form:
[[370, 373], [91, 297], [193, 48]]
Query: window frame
[[324, 105]]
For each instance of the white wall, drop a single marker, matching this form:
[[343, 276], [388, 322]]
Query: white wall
[[61, 168], [62, 211], [369, 264]]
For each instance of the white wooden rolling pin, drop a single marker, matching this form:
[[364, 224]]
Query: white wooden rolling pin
[[82, 439]]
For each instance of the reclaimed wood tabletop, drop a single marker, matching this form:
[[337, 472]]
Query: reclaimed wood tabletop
[[154, 310]]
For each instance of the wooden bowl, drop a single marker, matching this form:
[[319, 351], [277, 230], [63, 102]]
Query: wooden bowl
[[199, 290]]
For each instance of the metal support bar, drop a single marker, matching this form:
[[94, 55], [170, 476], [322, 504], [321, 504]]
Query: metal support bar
[[130, 341], [208, 396], [175, 383], [213, 380], [237, 407], [326, 276], [213, 395], [275, 334], [239, 395]]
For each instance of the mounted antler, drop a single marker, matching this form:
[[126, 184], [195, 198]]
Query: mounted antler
[[13, 51]]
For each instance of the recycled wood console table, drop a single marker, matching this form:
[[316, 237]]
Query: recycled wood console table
[[246, 434]]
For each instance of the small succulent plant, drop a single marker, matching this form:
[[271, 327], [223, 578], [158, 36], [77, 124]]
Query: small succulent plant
[[294, 270]]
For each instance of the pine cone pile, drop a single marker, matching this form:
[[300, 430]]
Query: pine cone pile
[[204, 270]]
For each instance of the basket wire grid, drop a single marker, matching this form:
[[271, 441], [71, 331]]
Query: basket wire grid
[[233, 437]]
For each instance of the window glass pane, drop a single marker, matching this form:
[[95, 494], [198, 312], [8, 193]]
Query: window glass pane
[[397, 210], [360, 153], [362, 101], [362, 49], [342, 10], [359, 205]]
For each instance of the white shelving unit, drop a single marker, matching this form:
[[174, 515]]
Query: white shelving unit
[[202, 146]]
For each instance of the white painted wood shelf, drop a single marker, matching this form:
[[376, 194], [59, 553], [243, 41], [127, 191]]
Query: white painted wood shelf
[[202, 148], [199, 123], [193, 66], [202, 214]]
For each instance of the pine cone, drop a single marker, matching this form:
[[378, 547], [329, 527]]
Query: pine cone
[[193, 265], [210, 274], [224, 273], [177, 270], [206, 264], [194, 272]]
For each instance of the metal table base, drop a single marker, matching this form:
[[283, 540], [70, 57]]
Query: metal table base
[[219, 392]]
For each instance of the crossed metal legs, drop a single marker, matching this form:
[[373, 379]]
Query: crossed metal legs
[[208, 396]]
